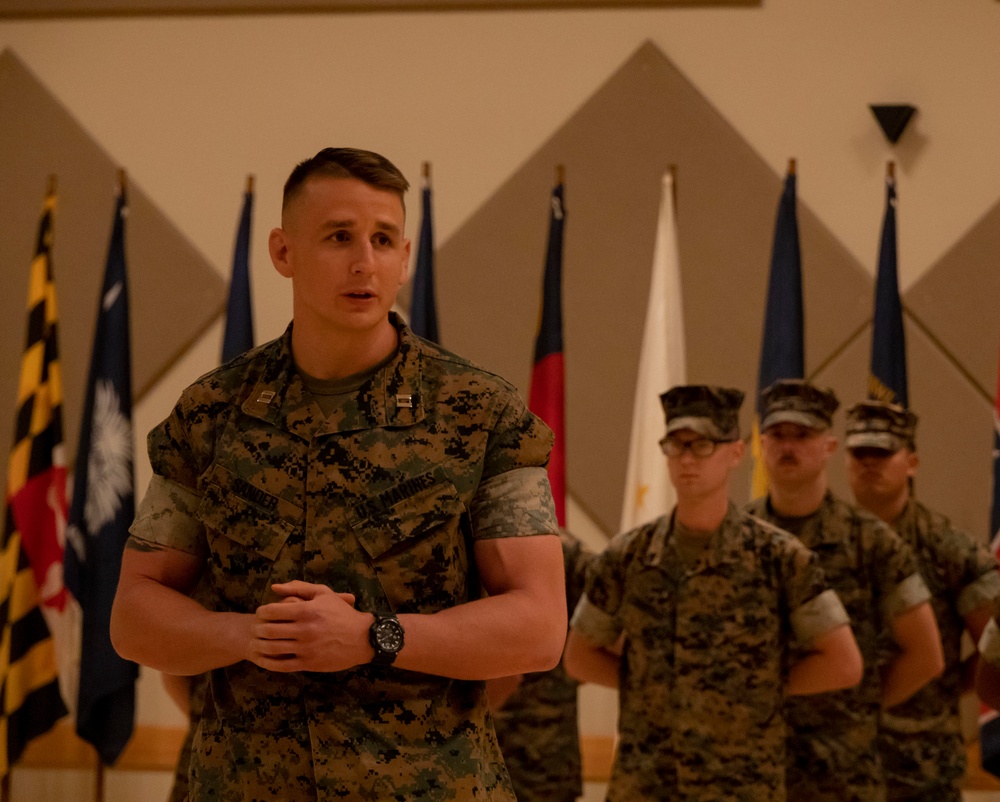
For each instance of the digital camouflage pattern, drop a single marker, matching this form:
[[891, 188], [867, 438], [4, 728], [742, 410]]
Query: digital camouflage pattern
[[705, 657], [383, 499], [920, 740], [832, 751], [537, 726]]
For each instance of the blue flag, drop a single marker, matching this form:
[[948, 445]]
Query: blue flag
[[239, 310], [101, 512], [887, 380], [782, 350], [423, 310]]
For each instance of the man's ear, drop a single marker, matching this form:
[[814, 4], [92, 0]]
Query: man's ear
[[912, 463], [277, 246], [405, 273]]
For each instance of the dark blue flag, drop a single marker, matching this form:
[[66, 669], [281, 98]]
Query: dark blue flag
[[239, 309], [887, 380], [423, 310], [102, 509], [782, 350]]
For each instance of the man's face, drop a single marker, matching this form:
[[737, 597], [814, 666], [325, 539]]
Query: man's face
[[695, 478], [878, 476], [341, 243], [795, 455]]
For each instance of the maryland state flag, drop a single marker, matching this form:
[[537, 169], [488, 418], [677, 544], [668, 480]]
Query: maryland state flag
[[782, 351], [547, 397], [102, 511], [423, 309], [238, 336], [34, 527], [887, 379]]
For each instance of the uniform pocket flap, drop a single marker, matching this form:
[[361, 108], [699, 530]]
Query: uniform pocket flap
[[405, 513], [243, 512]]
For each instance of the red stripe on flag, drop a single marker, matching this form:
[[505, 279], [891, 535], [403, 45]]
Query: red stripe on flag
[[40, 515], [547, 400]]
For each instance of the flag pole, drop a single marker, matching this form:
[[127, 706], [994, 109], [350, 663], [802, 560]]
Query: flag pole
[[249, 183], [426, 172], [50, 186], [890, 170], [791, 166]]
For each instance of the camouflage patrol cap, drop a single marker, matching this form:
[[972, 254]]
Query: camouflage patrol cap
[[876, 424], [797, 401], [709, 411]]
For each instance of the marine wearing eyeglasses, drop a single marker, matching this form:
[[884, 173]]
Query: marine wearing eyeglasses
[[920, 741], [832, 749], [693, 615]]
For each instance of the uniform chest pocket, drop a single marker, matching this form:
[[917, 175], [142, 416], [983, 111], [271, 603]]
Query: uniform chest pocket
[[418, 548], [247, 530], [381, 527]]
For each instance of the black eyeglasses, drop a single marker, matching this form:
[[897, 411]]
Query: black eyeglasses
[[702, 447]]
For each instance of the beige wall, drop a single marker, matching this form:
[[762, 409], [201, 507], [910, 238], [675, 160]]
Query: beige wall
[[190, 106]]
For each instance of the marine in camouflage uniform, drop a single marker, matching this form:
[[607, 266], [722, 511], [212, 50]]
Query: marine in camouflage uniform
[[832, 748], [537, 725], [397, 486], [920, 741], [707, 622], [408, 489]]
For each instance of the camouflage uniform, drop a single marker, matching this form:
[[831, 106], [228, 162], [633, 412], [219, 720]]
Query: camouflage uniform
[[383, 499], [537, 726], [705, 655], [920, 740], [832, 752]]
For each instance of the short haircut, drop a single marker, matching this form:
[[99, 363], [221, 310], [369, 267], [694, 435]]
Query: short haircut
[[364, 165]]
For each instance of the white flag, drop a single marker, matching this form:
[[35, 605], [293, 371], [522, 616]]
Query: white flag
[[648, 492]]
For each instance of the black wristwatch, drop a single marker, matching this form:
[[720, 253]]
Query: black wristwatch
[[386, 638]]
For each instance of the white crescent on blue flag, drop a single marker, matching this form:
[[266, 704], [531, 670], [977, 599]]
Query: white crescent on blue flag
[[101, 512]]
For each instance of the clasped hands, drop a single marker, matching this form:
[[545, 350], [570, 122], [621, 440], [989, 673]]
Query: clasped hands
[[313, 628]]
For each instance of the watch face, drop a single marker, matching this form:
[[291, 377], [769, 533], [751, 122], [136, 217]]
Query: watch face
[[389, 635]]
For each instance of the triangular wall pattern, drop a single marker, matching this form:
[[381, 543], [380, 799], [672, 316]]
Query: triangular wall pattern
[[615, 148], [174, 292]]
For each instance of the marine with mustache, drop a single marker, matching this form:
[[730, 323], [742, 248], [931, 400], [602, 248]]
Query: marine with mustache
[[832, 738]]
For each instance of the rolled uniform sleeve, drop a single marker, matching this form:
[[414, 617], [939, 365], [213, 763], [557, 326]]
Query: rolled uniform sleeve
[[908, 593], [819, 615], [989, 643], [167, 517], [595, 624], [984, 590], [513, 497], [516, 502]]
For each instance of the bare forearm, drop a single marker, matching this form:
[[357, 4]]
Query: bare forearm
[[162, 628], [834, 664], [920, 658], [903, 677], [491, 637], [587, 662]]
